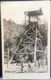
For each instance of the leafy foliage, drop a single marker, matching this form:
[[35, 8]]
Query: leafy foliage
[[11, 32]]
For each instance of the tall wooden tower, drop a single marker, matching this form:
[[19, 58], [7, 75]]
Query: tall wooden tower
[[30, 43]]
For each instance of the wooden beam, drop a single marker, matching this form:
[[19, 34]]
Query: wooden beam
[[27, 30], [30, 33], [29, 37], [22, 44], [29, 19], [25, 39], [25, 18], [26, 47], [39, 51], [33, 30], [19, 44], [8, 58], [30, 49], [11, 58], [27, 43]]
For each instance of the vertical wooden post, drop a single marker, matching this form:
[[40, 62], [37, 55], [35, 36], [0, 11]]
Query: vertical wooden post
[[36, 40], [22, 64], [25, 18], [29, 19], [35, 46], [8, 58]]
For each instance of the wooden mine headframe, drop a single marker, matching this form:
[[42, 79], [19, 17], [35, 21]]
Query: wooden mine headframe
[[29, 42]]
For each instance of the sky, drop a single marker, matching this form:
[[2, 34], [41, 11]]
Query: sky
[[15, 10]]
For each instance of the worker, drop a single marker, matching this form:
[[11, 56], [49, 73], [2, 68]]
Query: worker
[[29, 66], [22, 61]]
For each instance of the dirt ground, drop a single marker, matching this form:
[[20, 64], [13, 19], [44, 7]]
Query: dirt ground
[[34, 69]]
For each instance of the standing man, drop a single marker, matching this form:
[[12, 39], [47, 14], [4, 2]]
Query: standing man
[[22, 61], [29, 66]]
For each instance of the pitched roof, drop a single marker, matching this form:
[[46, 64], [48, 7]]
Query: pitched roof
[[34, 12]]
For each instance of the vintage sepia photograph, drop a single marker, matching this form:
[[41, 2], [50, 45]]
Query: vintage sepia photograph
[[25, 38]]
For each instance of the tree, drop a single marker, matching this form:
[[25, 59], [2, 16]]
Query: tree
[[43, 27]]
